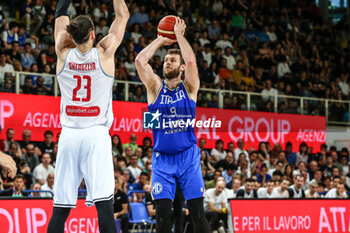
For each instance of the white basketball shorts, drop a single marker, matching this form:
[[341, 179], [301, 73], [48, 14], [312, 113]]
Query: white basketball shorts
[[83, 153]]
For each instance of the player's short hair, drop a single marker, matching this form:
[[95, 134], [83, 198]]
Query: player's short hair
[[178, 52], [80, 27]]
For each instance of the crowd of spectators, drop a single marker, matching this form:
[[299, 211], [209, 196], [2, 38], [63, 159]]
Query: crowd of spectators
[[268, 171], [268, 47]]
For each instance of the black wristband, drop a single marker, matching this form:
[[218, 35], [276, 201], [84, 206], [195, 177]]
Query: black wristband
[[62, 7]]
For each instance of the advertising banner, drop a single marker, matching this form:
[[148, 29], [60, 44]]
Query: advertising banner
[[33, 216], [41, 113], [309, 215]]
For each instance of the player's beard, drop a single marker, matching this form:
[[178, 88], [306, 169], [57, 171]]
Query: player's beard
[[171, 74]]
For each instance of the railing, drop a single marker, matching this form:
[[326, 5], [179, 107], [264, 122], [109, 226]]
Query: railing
[[335, 111]]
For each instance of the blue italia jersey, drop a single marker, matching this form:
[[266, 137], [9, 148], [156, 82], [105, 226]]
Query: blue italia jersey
[[177, 112]]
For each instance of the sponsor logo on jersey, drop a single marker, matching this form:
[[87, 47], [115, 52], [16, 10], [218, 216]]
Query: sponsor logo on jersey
[[157, 188], [82, 67]]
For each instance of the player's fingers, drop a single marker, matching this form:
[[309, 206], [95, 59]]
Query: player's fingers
[[12, 173]]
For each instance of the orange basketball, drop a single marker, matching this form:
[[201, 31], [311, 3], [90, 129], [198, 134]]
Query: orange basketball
[[166, 27]]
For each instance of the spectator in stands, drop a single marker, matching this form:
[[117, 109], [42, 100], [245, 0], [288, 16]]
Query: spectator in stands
[[327, 168], [225, 43], [288, 172], [151, 209], [48, 186], [266, 192], [302, 153], [30, 158], [236, 184], [128, 178], [40, 88], [102, 11], [134, 167], [141, 186], [127, 154], [39, 14], [215, 206], [48, 79], [139, 17], [312, 192], [148, 157], [278, 167], [282, 190], [290, 155], [4, 67], [102, 28], [223, 164], [18, 187], [283, 69], [48, 57], [240, 149], [344, 163], [212, 183], [218, 152], [37, 187], [26, 136], [41, 171], [13, 54], [9, 36], [295, 190], [132, 143], [46, 30], [117, 148], [121, 206], [214, 30], [47, 145], [263, 176], [27, 57], [268, 92], [7, 87], [247, 190], [337, 192], [205, 163], [228, 173], [10, 134]]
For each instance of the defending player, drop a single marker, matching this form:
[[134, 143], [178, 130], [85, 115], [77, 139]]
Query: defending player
[[85, 74], [176, 156]]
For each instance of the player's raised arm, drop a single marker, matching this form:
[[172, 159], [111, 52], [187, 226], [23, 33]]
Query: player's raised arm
[[111, 42], [191, 70], [62, 40], [145, 71]]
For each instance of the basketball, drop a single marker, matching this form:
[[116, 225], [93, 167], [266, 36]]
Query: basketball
[[166, 27]]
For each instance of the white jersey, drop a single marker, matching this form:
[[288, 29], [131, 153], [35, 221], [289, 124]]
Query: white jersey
[[86, 91]]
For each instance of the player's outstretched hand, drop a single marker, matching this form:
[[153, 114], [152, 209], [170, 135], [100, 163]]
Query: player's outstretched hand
[[166, 40], [8, 165], [179, 27]]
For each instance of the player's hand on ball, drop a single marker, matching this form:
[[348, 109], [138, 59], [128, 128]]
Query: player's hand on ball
[[179, 27], [166, 40]]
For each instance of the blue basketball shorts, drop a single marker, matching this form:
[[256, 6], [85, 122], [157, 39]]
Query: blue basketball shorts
[[183, 168]]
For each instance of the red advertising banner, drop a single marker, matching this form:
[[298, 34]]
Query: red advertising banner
[[33, 216], [40, 113], [309, 215]]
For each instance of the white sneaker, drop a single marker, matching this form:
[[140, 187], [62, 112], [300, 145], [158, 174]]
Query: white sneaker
[[215, 231]]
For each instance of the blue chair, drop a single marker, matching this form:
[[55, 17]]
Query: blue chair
[[139, 216]]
